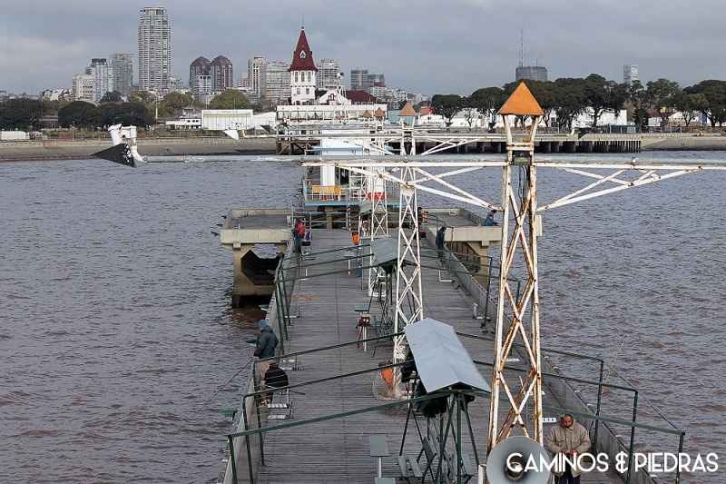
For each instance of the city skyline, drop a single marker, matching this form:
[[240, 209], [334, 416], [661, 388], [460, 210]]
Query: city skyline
[[473, 43]]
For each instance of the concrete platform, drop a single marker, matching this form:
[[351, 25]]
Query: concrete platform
[[256, 226]]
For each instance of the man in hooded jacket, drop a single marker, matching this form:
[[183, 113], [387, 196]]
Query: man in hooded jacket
[[568, 438], [265, 348]]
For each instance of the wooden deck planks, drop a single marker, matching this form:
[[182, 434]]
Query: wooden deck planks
[[336, 451]]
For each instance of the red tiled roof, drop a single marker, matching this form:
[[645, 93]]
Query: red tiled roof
[[302, 57], [426, 110], [360, 97]]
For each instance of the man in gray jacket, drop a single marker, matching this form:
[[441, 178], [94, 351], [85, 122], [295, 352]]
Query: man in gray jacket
[[569, 438], [266, 341], [265, 348]]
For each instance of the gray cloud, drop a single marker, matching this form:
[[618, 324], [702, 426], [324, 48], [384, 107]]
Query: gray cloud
[[423, 45]]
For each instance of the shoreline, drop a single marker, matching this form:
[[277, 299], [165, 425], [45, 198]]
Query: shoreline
[[84, 149]]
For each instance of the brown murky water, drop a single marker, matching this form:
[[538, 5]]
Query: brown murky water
[[117, 337]]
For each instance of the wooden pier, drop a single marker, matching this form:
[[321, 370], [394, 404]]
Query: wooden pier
[[338, 451]]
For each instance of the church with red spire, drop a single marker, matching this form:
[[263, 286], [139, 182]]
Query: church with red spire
[[302, 72]]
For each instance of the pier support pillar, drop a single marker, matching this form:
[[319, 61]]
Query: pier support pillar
[[252, 278]]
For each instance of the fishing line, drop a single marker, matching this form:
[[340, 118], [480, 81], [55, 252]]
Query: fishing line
[[219, 389]]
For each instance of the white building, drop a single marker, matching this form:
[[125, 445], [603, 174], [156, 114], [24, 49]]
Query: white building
[[389, 95], [277, 77], [302, 72], [103, 75], [224, 119], [607, 118], [185, 123], [154, 49], [257, 76], [59, 94], [84, 87], [202, 88]]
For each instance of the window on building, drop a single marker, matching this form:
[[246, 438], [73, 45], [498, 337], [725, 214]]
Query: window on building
[[296, 78], [307, 90]]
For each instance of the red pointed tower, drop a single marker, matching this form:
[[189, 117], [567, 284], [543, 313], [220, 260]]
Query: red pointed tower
[[302, 72]]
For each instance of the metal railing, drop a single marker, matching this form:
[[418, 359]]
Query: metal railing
[[257, 428], [479, 293], [295, 267]]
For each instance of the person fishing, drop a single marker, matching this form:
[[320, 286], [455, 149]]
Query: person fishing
[[489, 220], [264, 348]]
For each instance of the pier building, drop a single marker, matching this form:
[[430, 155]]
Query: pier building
[[303, 72]]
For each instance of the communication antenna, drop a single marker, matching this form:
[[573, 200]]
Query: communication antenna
[[521, 48]]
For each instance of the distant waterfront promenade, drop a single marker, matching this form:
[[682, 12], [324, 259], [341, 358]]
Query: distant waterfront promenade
[[83, 149], [201, 146]]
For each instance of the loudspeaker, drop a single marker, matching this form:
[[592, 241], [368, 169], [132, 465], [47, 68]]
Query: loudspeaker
[[507, 463]]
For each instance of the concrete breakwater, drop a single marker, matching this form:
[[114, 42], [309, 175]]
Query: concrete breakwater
[[67, 150]]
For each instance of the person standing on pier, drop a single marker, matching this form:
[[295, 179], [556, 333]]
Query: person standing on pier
[[265, 348], [440, 237], [298, 234], [569, 438]]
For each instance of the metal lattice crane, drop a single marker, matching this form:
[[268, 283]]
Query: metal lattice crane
[[518, 316]]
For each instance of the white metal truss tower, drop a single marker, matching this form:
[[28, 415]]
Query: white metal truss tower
[[519, 205], [409, 294], [377, 195]]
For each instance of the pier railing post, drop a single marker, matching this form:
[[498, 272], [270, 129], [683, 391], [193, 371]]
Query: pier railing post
[[247, 443], [632, 438], [681, 438], [599, 402], [232, 459]]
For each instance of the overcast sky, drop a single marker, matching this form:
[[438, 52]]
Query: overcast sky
[[421, 45]]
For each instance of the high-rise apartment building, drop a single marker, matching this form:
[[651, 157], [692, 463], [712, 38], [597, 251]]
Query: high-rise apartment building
[[199, 67], [102, 76], [256, 76], [362, 80], [358, 79], [328, 74], [277, 82], [222, 72], [154, 49], [630, 74], [201, 87], [122, 67]]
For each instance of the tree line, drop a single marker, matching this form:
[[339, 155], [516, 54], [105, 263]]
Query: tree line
[[571, 97], [140, 110]]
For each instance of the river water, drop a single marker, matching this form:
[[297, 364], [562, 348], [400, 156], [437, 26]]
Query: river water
[[119, 348]]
